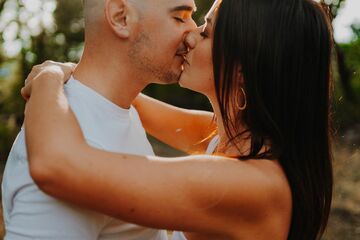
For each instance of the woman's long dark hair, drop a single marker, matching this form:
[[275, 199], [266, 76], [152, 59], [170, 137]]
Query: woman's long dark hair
[[283, 50]]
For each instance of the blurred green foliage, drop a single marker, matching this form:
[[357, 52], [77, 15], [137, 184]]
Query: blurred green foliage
[[58, 35], [46, 31], [347, 112]]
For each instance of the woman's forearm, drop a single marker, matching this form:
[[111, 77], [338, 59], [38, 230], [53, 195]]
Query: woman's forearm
[[180, 128], [46, 136]]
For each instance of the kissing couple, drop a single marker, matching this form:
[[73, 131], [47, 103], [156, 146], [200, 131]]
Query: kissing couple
[[259, 166]]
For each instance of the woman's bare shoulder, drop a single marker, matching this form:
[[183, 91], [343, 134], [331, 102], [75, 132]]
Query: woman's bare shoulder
[[259, 195]]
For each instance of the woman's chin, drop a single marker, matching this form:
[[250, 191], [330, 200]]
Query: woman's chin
[[183, 80]]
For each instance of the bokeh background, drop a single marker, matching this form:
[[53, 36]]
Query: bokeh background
[[33, 31]]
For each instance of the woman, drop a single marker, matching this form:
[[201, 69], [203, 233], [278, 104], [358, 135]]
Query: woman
[[265, 66]]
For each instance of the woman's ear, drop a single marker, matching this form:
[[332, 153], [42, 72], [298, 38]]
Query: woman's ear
[[239, 75], [117, 15]]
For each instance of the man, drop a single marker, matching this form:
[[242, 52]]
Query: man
[[128, 44]]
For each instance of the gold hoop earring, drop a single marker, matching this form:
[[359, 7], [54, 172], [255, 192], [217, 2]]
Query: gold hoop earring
[[245, 101]]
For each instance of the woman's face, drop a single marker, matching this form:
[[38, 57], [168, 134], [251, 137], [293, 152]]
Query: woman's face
[[197, 73]]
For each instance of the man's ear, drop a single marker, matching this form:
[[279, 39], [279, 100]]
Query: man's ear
[[117, 16]]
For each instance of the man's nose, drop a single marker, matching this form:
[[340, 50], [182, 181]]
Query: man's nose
[[190, 39], [193, 25]]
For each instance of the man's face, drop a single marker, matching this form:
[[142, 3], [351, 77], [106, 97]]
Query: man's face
[[157, 51]]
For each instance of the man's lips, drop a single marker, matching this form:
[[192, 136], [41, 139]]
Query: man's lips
[[182, 51], [183, 54]]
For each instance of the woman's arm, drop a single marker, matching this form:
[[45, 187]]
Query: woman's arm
[[157, 192], [186, 130]]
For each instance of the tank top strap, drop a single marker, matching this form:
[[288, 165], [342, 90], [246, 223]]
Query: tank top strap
[[178, 236], [212, 145]]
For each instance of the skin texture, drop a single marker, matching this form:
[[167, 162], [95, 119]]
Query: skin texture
[[133, 44], [175, 126], [220, 197], [152, 52]]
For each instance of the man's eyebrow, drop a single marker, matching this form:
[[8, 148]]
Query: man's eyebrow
[[186, 8]]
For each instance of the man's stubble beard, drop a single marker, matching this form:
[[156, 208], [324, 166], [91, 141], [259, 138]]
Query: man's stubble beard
[[146, 66]]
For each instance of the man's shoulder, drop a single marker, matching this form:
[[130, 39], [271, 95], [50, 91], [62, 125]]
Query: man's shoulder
[[18, 149], [95, 143]]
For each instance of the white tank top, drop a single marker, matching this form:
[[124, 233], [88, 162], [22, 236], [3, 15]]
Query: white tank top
[[210, 150]]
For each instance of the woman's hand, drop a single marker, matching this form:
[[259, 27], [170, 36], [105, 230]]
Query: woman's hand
[[49, 70]]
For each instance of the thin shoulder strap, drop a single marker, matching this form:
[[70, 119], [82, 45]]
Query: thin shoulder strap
[[212, 145]]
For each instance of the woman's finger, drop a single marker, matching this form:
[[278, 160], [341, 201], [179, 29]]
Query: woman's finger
[[65, 69], [25, 93], [36, 70]]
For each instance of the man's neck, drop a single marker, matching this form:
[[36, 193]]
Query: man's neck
[[115, 82]]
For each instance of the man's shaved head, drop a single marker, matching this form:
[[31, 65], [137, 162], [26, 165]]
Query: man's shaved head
[[94, 12], [93, 9]]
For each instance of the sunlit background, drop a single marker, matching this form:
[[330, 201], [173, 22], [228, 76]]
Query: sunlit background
[[37, 15], [32, 31]]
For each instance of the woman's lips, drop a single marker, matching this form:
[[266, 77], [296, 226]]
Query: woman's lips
[[185, 59], [186, 62]]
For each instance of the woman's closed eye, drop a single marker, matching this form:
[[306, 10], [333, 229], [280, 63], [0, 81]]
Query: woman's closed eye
[[204, 34]]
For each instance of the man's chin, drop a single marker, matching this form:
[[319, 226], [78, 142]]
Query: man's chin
[[170, 78]]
